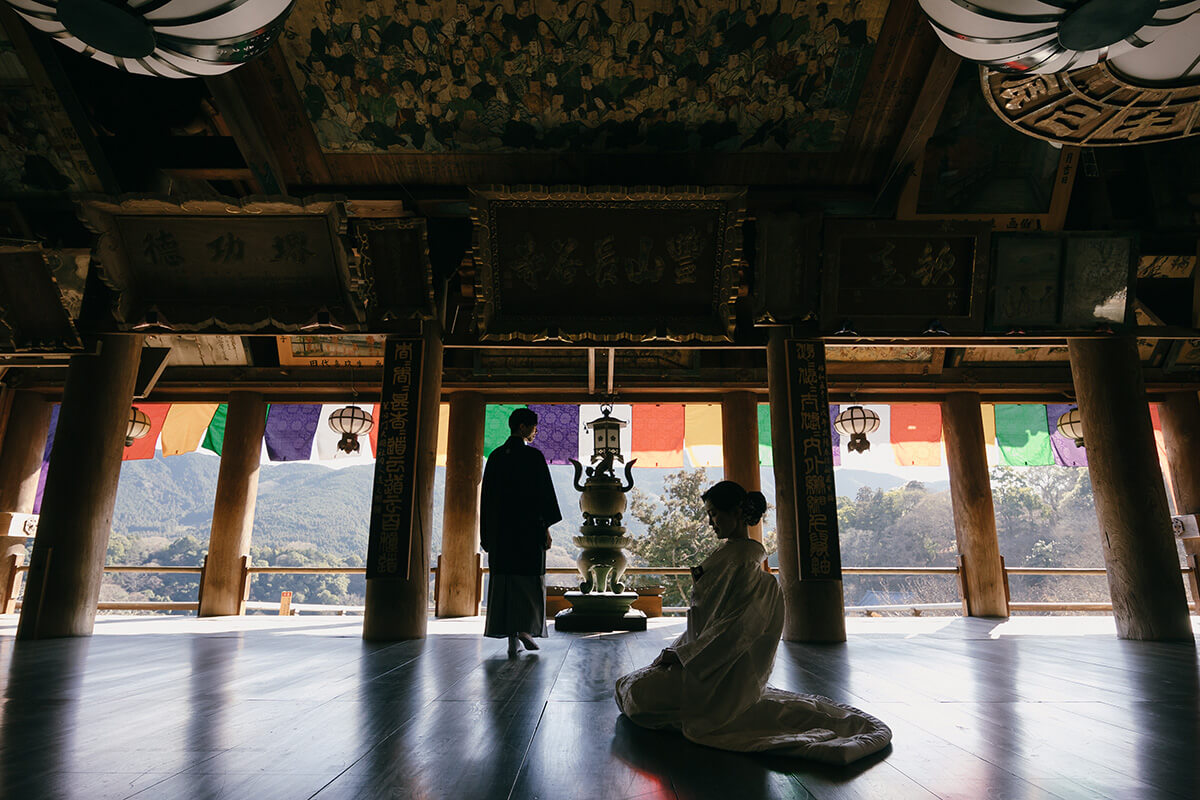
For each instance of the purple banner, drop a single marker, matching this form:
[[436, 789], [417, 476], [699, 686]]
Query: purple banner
[[837, 437], [558, 432], [291, 428], [1066, 453], [37, 502]]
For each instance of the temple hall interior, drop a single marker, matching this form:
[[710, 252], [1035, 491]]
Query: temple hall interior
[[276, 274]]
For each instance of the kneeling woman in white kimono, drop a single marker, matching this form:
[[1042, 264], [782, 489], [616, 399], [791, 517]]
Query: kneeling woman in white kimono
[[711, 683]]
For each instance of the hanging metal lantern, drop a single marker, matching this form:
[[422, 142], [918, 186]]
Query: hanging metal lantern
[[162, 38], [856, 422], [1143, 40], [606, 435], [137, 427], [1070, 425], [350, 422]]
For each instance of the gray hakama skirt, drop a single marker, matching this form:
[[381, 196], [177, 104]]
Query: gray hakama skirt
[[516, 604]]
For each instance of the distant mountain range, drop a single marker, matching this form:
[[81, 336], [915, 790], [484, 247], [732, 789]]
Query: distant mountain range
[[330, 509]]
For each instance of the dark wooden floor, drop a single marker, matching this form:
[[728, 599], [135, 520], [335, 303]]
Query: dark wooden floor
[[300, 708]]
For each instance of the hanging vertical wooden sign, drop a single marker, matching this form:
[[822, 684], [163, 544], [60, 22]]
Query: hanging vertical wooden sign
[[812, 453], [393, 497]]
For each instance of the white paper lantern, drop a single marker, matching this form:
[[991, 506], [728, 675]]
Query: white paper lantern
[[350, 421], [164, 38], [856, 422], [1147, 41]]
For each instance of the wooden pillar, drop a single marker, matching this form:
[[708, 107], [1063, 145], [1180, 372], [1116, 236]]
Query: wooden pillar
[[397, 604], [20, 467], [460, 516], [1180, 415], [21, 456], [67, 566], [813, 609], [739, 443], [1131, 502], [971, 495], [233, 507]]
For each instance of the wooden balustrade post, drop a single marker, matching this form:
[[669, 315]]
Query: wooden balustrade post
[[1193, 562], [478, 583], [8, 600], [81, 490], [1131, 502], [244, 587]]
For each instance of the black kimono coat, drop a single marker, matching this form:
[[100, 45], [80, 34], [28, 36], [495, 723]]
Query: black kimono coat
[[517, 505]]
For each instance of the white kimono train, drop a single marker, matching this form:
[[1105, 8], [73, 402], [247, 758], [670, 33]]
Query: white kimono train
[[719, 695]]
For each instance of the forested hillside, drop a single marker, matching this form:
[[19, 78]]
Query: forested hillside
[[310, 515]]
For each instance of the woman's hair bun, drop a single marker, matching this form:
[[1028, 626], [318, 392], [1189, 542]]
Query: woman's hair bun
[[753, 506]]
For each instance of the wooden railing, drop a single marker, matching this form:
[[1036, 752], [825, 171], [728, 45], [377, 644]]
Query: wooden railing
[[1190, 574]]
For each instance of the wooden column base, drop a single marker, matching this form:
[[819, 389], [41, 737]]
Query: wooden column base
[[822, 617]]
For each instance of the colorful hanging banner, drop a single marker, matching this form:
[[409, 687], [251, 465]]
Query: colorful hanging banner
[[144, 447], [766, 450], [591, 411], [658, 435], [988, 412], [835, 436], [1022, 435], [214, 438], [41, 488], [291, 428], [557, 432], [374, 434], [917, 434], [443, 437], [1066, 452], [495, 425], [702, 434], [185, 426]]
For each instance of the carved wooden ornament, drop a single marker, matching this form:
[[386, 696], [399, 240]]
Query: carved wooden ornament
[[1093, 106]]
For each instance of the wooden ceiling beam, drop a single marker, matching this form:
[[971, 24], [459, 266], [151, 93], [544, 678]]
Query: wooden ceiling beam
[[242, 117]]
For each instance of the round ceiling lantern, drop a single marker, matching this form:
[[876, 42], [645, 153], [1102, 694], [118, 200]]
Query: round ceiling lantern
[[137, 426], [350, 422], [1070, 425], [162, 38], [856, 422], [1150, 42]]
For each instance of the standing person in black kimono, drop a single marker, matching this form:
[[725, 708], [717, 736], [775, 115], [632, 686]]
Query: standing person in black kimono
[[517, 508]]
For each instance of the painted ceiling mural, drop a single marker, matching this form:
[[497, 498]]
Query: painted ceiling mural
[[436, 76]]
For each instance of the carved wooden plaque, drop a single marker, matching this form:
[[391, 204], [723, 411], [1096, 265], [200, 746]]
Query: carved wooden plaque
[[817, 544], [1092, 106], [233, 266], [898, 277], [607, 264]]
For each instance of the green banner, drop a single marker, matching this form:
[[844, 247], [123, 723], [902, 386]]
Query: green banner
[[766, 456], [1023, 436], [495, 426]]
